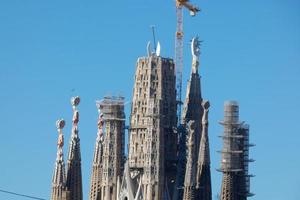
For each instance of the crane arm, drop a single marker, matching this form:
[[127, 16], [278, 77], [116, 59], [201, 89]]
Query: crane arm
[[193, 9]]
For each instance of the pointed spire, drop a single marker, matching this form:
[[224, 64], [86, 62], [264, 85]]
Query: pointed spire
[[193, 89], [204, 157], [203, 180], [59, 175], [97, 161], [74, 177], [100, 137], [192, 109], [74, 148]]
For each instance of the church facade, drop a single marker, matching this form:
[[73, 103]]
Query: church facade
[[167, 159]]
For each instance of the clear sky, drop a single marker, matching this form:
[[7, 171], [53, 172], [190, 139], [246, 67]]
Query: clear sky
[[52, 50]]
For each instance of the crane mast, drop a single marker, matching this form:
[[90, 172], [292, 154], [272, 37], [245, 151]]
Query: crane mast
[[179, 59], [179, 49]]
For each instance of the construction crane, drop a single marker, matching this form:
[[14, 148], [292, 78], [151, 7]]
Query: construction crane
[[180, 4]]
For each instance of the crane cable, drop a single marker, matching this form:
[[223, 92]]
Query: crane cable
[[20, 195]]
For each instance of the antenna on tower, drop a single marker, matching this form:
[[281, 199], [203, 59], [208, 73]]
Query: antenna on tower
[[153, 34]]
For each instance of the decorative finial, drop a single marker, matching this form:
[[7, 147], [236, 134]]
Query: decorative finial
[[98, 105], [149, 49], [75, 101], [100, 121], [60, 124], [158, 49], [205, 105], [195, 46]]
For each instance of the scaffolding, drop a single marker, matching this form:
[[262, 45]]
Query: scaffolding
[[235, 153], [245, 190], [112, 107], [231, 152]]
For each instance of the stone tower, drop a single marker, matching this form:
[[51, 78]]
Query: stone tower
[[234, 164], [153, 143], [96, 177], [74, 177], [203, 179], [112, 121], [192, 111], [58, 191]]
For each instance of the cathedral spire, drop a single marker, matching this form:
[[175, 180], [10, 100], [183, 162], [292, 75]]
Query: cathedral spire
[[74, 177], [203, 180], [97, 160], [59, 176], [192, 111]]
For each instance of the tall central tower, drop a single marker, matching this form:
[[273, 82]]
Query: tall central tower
[[153, 143]]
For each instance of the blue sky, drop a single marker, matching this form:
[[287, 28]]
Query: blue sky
[[52, 50]]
